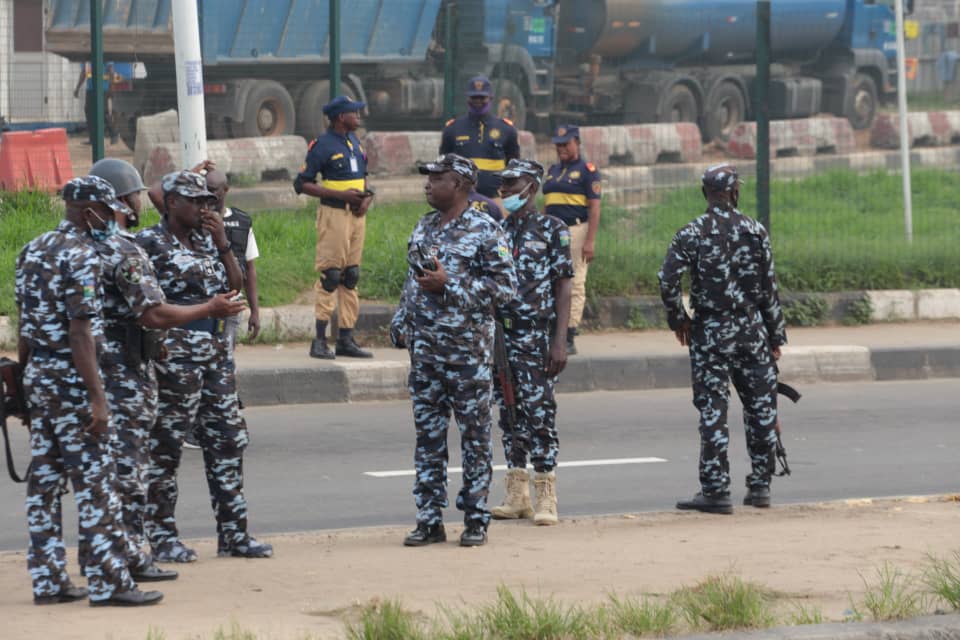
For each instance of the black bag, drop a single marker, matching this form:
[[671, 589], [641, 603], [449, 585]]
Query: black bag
[[13, 403]]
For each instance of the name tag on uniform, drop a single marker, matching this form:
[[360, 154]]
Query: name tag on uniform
[[535, 244], [353, 164]]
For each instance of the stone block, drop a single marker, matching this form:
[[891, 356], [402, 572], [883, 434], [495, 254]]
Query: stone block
[[938, 304], [892, 305]]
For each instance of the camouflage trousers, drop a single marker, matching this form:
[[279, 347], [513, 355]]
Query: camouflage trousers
[[437, 389], [535, 433], [62, 450], [721, 350], [132, 396], [201, 393]]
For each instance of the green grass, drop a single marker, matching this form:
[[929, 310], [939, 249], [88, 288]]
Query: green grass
[[832, 232], [724, 602], [641, 617], [942, 578], [894, 596], [386, 620]]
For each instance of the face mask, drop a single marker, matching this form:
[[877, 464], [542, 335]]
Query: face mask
[[515, 202], [482, 111], [112, 228]]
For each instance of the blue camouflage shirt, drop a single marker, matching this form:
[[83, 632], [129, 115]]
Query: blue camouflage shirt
[[58, 280], [540, 245], [731, 269], [457, 325]]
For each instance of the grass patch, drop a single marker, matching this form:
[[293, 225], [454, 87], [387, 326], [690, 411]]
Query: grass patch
[[894, 596], [640, 617], [522, 617], [724, 602], [386, 620], [802, 614], [942, 578]]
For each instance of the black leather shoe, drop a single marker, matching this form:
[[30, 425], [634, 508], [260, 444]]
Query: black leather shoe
[[349, 348], [571, 347], [249, 547], [132, 598], [68, 593], [758, 497], [707, 504], [474, 535], [425, 534], [319, 349], [153, 573]]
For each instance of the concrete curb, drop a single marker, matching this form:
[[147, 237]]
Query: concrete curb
[[387, 379], [945, 627]]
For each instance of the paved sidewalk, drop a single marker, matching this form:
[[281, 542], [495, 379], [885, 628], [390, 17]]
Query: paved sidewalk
[[285, 374]]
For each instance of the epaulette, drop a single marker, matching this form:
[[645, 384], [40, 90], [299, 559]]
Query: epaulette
[[508, 121], [310, 145], [450, 122], [591, 167]]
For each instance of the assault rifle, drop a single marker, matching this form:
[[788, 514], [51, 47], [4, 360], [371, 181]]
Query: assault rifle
[[13, 403], [501, 364], [781, 453]]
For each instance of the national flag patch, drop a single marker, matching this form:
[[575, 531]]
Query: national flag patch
[[564, 238], [503, 250], [89, 289]]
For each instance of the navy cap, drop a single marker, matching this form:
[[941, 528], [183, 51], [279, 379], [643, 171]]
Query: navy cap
[[516, 168], [479, 86], [93, 189], [187, 183], [721, 177], [342, 104], [565, 133], [451, 162]]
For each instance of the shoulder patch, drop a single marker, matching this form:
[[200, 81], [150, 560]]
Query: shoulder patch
[[89, 288], [596, 187], [508, 121], [450, 122], [591, 167], [503, 250], [131, 270], [311, 144], [564, 237]]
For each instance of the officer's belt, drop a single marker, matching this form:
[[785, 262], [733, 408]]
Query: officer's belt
[[568, 199], [115, 333], [490, 164], [212, 326], [521, 324], [341, 185]]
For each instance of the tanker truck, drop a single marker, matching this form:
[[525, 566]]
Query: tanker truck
[[266, 63]]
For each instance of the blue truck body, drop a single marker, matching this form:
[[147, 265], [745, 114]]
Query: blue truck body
[[601, 61]]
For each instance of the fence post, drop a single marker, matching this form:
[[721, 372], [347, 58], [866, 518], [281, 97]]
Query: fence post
[[335, 49], [761, 108], [96, 77]]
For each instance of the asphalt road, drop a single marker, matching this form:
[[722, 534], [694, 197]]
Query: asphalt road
[[307, 465]]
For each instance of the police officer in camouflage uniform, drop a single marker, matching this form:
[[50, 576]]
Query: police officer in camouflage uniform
[[197, 383], [461, 269], [536, 350], [736, 333], [58, 297], [135, 314]]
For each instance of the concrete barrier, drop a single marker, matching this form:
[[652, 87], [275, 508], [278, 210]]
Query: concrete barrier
[[160, 128], [926, 129], [642, 144], [277, 157], [397, 153], [802, 137]]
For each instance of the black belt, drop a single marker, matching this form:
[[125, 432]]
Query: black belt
[[212, 326], [522, 324], [50, 353], [115, 333], [333, 202]]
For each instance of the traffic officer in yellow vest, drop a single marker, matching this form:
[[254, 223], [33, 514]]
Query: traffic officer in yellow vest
[[572, 193], [484, 138], [338, 157]]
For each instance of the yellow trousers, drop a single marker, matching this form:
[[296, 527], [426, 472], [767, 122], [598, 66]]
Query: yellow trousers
[[339, 245], [578, 236]]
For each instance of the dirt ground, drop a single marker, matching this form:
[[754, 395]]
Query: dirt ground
[[812, 554]]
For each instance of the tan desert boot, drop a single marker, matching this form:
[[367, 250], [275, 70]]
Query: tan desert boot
[[545, 485], [516, 504]]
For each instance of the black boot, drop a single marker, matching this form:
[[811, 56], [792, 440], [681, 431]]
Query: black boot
[[319, 349], [474, 535], [132, 598], [152, 573], [425, 534], [758, 497], [707, 504], [571, 347], [347, 346], [67, 593]]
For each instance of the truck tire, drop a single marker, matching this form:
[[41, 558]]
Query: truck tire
[[679, 105], [310, 119], [510, 103], [726, 108], [862, 105], [268, 112]]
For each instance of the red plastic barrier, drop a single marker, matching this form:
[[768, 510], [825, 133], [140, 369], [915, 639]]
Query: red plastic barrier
[[34, 160]]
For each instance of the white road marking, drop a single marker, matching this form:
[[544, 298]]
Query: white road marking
[[502, 467]]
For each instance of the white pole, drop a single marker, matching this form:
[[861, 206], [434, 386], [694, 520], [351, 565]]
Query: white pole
[[186, 44], [904, 133]]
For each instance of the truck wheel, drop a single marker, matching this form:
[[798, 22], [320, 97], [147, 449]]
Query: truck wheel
[[510, 103], [679, 105], [310, 118], [863, 101], [726, 108], [268, 112]]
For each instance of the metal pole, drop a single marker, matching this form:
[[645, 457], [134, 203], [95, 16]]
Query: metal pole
[[334, 48], [904, 133], [449, 62], [761, 109], [96, 76], [186, 46]]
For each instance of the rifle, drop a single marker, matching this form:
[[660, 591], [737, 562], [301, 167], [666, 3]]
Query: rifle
[[780, 452], [13, 402], [501, 364]]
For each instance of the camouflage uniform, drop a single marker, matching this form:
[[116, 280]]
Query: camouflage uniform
[[737, 321], [130, 288], [58, 279], [450, 339], [197, 385], [541, 253]]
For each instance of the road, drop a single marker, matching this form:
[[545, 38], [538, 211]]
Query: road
[[307, 467]]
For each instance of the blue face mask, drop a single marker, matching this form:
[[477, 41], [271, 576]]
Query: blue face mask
[[100, 235], [515, 202]]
